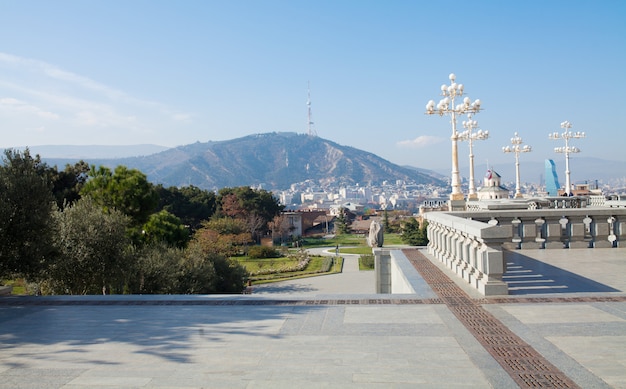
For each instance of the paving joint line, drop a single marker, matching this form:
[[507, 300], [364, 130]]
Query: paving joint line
[[527, 367]]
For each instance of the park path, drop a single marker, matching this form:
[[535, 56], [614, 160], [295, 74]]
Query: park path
[[351, 280]]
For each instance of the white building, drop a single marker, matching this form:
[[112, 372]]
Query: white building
[[492, 187]]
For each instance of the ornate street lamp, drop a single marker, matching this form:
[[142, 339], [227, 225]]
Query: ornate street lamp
[[469, 136], [517, 148], [446, 106], [567, 135]]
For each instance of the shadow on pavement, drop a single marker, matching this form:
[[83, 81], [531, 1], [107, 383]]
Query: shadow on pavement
[[526, 275]]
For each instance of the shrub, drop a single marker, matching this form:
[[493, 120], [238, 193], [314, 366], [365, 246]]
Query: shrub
[[367, 261], [263, 252], [327, 264]]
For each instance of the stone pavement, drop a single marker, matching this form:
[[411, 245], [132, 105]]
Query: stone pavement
[[567, 308]]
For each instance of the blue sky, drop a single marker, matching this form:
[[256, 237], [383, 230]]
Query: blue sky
[[171, 73]]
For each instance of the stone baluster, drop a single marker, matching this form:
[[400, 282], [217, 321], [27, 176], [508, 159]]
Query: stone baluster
[[466, 267], [553, 234], [476, 274], [457, 258], [530, 234], [620, 231], [433, 232], [517, 239], [439, 247], [600, 230], [577, 233], [540, 236], [449, 252], [612, 236]]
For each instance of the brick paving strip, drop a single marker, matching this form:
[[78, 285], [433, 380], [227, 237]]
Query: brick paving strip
[[522, 362]]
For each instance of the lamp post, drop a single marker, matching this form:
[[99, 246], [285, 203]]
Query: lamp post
[[567, 135], [446, 106], [517, 148], [470, 136]]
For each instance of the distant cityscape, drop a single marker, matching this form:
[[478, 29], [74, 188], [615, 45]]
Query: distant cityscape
[[396, 194], [407, 196]]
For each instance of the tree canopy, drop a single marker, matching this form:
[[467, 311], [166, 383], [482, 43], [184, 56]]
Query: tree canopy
[[127, 190], [190, 204], [93, 247], [167, 228], [26, 206], [79, 231], [256, 207], [413, 233]]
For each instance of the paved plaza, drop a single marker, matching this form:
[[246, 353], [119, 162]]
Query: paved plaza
[[566, 310]]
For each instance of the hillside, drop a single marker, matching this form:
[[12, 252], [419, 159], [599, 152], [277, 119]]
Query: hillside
[[274, 160]]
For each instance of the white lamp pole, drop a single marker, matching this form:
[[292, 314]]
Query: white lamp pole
[[567, 135], [470, 136], [446, 106], [517, 148]]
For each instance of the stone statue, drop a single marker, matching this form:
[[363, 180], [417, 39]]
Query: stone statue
[[375, 238]]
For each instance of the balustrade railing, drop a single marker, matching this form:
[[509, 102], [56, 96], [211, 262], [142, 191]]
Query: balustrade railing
[[471, 243], [558, 228], [472, 249]]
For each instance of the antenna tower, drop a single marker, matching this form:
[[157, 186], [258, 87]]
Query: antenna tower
[[310, 124]]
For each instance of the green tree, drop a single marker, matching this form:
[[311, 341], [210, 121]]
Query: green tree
[[413, 233], [67, 183], [342, 222], [167, 228], [93, 247], [126, 190], [191, 204], [392, 224], [256, 207], [203, 272], [26, 221], [157, 270], [224, 236]]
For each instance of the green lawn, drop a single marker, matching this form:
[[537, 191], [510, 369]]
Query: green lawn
[[349, 240], [392, 239], [314, 268], [356, 250], [254, 265]]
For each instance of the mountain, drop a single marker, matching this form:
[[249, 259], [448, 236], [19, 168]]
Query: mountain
[[274, 160], [428, 172]]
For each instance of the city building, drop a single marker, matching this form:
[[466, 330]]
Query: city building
[[552, 180], [492, 188]]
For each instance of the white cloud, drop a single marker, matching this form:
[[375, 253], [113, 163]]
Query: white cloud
[[420, 142], [9, 104], [182, 117], [33, 92], [61, 75]]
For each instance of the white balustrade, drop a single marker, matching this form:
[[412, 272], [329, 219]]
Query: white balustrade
[[471, 249]]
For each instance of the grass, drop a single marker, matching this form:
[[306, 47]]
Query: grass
[[393, 239], [19, 286], [314, 268], [349, 240], [366, 262], [356, 250], [254, 265]]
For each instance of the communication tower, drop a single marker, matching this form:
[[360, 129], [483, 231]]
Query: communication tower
[[310, 125]]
